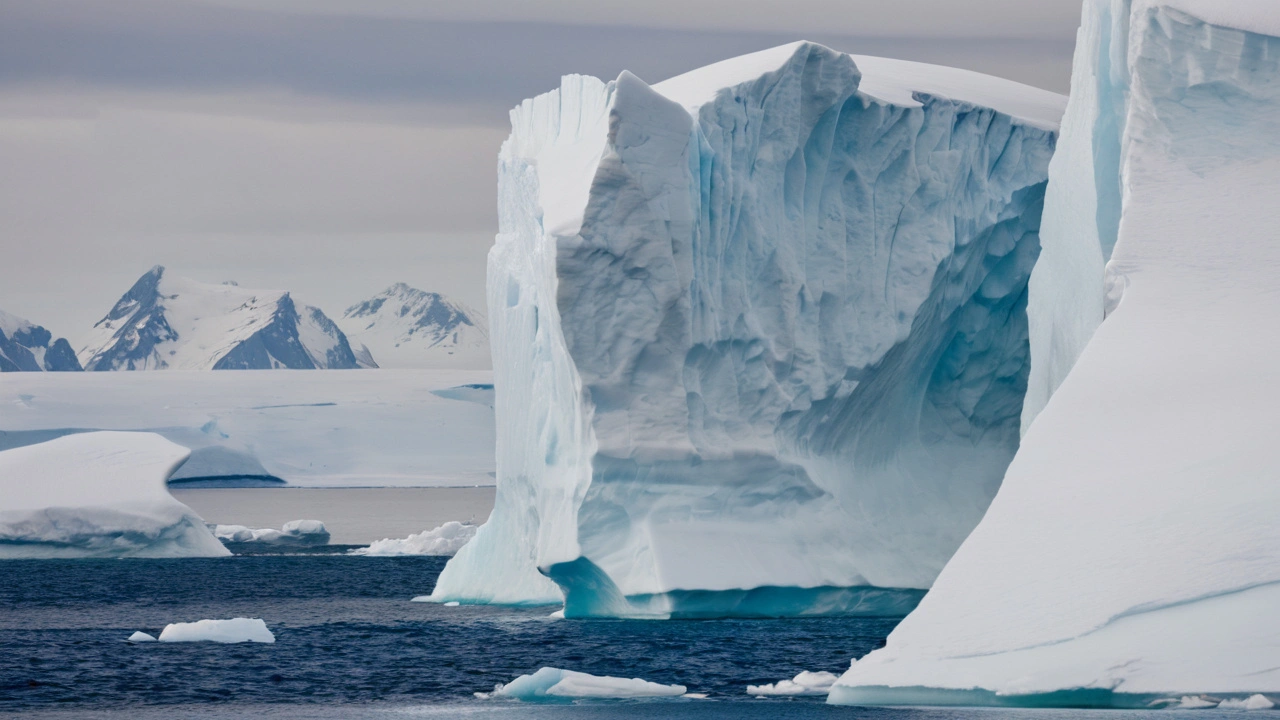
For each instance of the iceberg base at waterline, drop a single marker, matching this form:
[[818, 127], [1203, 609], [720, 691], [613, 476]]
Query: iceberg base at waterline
[[98, 494]]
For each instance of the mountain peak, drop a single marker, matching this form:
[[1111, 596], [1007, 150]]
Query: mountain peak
[[175, 322], [404, 326]]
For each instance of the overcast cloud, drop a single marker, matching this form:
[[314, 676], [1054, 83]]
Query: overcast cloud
[[332, 147]]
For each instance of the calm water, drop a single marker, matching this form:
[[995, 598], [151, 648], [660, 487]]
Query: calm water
[[352, 515], [351, 645]]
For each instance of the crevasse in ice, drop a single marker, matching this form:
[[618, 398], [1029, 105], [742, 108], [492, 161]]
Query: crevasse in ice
[[759, 334]]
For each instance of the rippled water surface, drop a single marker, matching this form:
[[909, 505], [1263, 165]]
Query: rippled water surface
[[347, 633], [350, 644]]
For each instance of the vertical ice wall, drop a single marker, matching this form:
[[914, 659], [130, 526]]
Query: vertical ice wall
[[1132, 553], [759, 334]]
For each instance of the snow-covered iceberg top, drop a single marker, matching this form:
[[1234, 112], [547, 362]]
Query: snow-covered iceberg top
[[294, 532], [555, 684], [759, 334], [99, 494], [235, 630], [447, 539], [1132, 554]]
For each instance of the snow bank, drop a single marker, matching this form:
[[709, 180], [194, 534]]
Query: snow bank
[[447, 539], [99, 494], [806, 683], [294, 532], [756, 329], [1132, 552], [555, 684], [235, 630]]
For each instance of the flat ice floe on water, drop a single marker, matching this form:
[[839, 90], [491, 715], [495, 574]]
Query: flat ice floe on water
[[804, 684], [99, 494], [447, 539], [554, 684], [235, 630]]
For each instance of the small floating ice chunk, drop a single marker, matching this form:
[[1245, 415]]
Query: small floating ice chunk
[[453, 603], [235, 630], [554, 683], [1253, 702], [140, 636], [447, 539], [294, 532], [806, 683], [1196, 702]]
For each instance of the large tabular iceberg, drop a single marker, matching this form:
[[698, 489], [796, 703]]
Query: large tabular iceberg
[[1133, 551], [99, 494], [759, 334]]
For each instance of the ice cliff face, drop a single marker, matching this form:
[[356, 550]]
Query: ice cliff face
[[169, 322], [1132, 553], [404, 327], [28, 347], [759, 334]]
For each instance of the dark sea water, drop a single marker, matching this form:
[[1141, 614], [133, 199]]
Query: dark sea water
[[350, 644]]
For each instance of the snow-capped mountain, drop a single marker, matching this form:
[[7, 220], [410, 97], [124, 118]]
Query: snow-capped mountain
[[173, 322], [25, 346], [404, 327]]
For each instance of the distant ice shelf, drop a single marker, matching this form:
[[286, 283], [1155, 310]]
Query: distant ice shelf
[[1132, 555], [759, 334], [264, 428]]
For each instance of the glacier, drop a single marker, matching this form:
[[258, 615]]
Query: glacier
[[168, 322], [759, 334], [99, 494], [1132, 554]]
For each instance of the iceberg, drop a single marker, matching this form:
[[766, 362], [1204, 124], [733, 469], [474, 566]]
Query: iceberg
[[759, 334], [99, 494], [447, 539], [556, 684], [1132, 553], [235, 630], [804, 684], [139, 637]]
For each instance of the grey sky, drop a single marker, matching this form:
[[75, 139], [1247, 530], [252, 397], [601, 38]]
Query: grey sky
[[332, 147]]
